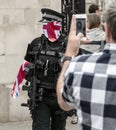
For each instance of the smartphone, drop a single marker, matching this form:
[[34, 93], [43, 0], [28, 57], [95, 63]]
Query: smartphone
[[81, 24]]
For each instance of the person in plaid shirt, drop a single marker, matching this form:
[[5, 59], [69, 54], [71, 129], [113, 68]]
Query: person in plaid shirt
[[88, 82]]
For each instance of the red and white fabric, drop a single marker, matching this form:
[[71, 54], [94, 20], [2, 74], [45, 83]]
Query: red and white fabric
[[52, 30], [19, 79]]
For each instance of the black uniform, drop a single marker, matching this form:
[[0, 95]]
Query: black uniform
[[47, 115]]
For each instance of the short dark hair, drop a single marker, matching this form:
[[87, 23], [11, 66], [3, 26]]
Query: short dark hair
[[93, 8]]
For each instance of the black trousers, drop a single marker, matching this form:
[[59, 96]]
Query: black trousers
[[48, 115]]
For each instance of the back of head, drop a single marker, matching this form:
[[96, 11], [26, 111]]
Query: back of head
[[93, 8], [93, 21], [110, 19]]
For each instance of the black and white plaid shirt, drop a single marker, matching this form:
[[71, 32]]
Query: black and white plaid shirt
[[90, 86]]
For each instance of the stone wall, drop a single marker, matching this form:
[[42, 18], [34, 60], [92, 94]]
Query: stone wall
[[10, 108]]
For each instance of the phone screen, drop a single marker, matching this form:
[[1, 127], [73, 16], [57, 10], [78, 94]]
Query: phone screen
[[81, 25]]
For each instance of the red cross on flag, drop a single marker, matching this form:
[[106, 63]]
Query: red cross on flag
[[52, 30]]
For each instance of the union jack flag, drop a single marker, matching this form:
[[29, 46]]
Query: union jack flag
[[52, 30], [19, 79]]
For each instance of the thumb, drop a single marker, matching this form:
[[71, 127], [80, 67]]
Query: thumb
[[80, 35]]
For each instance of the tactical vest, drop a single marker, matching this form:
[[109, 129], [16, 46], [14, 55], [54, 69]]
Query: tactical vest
[[45, 58]]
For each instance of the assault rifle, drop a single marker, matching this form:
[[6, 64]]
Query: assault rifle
[[31, 78]]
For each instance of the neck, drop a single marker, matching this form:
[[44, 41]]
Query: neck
[[111, 40]]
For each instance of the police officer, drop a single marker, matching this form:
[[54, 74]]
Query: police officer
[[47, 115]]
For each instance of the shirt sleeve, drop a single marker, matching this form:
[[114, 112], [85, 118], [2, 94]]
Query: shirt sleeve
[[68, 88]]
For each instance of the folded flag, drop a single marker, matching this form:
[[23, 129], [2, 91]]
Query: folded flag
[[19, 79]]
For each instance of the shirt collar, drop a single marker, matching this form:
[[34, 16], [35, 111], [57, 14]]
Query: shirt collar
[[110, 48]]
